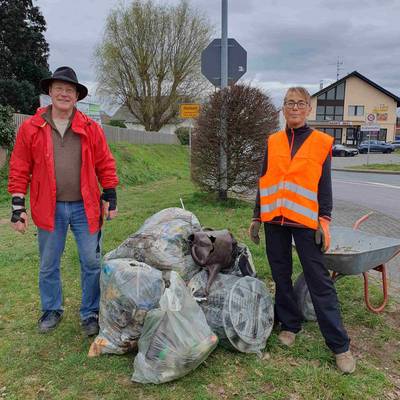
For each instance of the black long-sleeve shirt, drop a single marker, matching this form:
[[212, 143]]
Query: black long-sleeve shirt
[[325, 182]]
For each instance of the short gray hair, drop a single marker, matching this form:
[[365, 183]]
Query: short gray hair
[[301, 91]]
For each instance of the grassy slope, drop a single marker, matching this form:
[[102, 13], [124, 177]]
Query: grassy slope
[[55, 366]]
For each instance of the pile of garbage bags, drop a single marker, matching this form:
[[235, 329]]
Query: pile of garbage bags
[[162, 242], [172, 291]]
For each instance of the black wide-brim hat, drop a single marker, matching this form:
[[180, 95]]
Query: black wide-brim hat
[[64, 74]]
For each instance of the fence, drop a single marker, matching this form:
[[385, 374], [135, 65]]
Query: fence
[[115, 134], [19, 119]]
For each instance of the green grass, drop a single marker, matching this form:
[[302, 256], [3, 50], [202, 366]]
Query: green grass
[[380, 167], [3, 184], [55, 366]]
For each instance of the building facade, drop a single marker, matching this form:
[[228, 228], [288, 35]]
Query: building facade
[[354, 109]]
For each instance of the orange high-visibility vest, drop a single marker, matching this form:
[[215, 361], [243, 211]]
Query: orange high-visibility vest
[[289, 188]]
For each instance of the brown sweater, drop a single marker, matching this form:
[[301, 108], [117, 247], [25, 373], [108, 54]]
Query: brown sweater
[[67, 161]]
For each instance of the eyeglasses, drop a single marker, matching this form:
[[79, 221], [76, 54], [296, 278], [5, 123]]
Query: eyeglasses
[[59, 90], [301, 105]]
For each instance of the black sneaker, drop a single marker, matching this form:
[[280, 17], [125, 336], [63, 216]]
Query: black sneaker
[[90, 326], [49, 321]]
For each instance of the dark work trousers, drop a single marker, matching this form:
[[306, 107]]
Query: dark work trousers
[[319, 282]]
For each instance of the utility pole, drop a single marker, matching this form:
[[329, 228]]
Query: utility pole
[[223, 169]]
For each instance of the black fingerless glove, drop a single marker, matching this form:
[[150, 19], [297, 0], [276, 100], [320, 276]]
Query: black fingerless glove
[[110, 195], [17, 208]]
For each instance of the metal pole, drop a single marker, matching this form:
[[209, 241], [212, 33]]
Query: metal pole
[[224, 45], [190, 148], [369, 146], [223, 187]]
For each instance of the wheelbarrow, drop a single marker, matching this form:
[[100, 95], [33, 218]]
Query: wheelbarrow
[[352, 252]]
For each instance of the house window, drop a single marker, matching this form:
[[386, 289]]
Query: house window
[[351, 136], [335, 132], [330, 95], [335, 93], [382, 135], [340, 92], [356, 111], [329, 113]]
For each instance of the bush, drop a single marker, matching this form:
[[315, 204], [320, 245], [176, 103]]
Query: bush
[[116, 122], [7, 127], [250, 116], [19, 95], [183, 135]]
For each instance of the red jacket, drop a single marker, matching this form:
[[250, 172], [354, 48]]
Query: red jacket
[[32, 163]]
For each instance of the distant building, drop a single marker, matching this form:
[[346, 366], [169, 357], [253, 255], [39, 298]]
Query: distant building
[[123, 114], [353, 109]]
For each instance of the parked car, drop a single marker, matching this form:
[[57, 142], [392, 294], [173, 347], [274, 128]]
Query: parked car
[[396, 144], [375, 146], [343, 151]]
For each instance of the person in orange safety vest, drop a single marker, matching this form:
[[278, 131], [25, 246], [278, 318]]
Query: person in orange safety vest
[[294, 201]]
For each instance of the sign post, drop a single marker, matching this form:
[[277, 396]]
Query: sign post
[[370, 128], [223, 62], [189, 111]]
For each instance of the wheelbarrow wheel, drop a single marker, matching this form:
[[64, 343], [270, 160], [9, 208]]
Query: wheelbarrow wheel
[[304, 299]]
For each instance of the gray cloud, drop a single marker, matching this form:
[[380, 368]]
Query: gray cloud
[[288, 42]]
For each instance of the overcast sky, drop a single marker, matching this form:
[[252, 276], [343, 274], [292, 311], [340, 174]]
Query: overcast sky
[[290, 42]]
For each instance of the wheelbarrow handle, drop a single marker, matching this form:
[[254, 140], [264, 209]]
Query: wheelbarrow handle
[[361, 220], [376, 310]]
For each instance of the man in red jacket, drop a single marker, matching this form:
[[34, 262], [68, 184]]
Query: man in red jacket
[[63, 156]]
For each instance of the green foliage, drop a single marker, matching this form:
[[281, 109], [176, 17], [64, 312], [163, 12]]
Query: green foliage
[[4, 196], [380, 167], [183, 135], [116, 122], [23, 51], [7, 127], [19, 95], [139, 164]]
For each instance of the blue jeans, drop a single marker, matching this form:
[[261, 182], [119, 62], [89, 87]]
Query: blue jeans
[[51, 247]]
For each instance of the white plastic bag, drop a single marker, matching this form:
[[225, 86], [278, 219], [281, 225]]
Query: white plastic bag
[[129, 289], [162, 242], [175, 338]]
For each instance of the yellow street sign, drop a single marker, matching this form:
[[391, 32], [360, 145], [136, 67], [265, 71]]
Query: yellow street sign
[[189, 110]]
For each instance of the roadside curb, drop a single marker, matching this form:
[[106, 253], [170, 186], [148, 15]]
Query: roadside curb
[[371, 171]]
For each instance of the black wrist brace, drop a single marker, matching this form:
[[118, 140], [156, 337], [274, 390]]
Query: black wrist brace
[[17, 208], [110, 195]]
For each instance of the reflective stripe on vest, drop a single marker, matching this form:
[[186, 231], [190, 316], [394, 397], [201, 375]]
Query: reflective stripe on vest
[[290, 205], [293, 187]]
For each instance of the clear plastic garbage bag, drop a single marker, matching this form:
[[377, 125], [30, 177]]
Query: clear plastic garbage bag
[[175, 338], [162, 242], [238, 309], [129, 289]]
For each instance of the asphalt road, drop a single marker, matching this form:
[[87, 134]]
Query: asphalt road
[[376, 191]]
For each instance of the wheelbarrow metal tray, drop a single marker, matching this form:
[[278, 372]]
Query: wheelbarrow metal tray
[[353, 252]]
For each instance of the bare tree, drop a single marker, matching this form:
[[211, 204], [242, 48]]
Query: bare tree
[[251, 116], [150, 59]]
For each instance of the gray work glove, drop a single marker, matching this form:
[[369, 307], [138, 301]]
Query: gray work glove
[[254, 230]]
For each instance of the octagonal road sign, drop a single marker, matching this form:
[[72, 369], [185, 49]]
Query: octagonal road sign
[[211, 61]]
